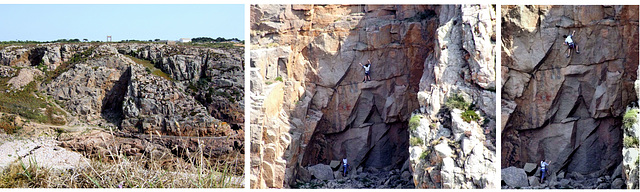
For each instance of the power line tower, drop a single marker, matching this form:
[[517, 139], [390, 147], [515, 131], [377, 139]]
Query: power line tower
[[109, 38]]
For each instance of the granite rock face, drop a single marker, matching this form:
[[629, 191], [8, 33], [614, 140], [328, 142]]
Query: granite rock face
[[309, 102], [98, 85], [567, 110], [214, 77]]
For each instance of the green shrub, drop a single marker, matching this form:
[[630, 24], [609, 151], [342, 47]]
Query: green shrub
[[630, 142], [470, 115], [414, 122], [279, 79], [456, 101], [630, 118], [424, 154], [415, 141], [42, 67]]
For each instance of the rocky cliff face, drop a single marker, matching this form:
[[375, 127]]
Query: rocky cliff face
[[96, 85], [448, 150], [310, 108], [215, 77], [567, 110]]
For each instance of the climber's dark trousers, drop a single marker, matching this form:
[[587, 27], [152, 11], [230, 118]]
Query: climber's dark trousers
[[344, 170]]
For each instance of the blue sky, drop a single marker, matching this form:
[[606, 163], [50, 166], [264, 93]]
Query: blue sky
[[141, 22]]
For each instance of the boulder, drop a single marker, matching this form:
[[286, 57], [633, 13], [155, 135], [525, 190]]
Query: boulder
[[443, 150], [514, 177], [321, 171], [335, 164], [563, 184], [617, 183], [534, 181], [24, 77], [530, 168]]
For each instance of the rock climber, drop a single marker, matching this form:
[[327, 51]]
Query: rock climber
[[572, 45], [345, 166], [543, 170], [366, 71]]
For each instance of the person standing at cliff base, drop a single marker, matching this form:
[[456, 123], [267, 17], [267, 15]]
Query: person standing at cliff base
[[344, 167], [572, 45], [543, 170], [366, 71]]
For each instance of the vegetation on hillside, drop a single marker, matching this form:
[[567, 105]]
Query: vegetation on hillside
[[28, 104], [150, 67]]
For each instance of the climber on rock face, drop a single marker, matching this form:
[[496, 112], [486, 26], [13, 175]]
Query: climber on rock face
[[366, 71], [543, 170], [572, 45], [345, 166]]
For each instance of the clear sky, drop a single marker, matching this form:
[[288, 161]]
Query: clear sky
[[140, 22]]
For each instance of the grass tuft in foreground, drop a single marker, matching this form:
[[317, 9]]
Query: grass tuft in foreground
[[117, 170]]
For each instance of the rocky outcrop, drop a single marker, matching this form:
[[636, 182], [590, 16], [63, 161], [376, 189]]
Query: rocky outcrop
[[24, 77], [453, 152], [309, 104], [93, 89], [631, 154], [43, 152], [144, 114], [215, 77], [567, 110], [50, 55], [6, 71], [153, 104]]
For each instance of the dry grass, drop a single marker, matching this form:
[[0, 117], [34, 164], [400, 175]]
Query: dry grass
[[116, 170]]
